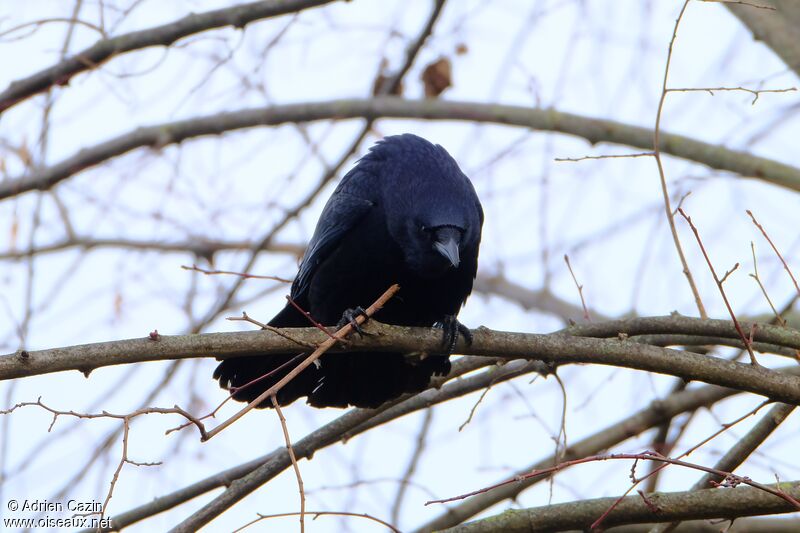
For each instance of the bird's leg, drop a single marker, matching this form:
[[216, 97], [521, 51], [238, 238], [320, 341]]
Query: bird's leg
[[349, 317], [451, 327]]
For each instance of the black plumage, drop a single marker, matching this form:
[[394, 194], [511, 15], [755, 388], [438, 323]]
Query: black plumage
[[404, 214]]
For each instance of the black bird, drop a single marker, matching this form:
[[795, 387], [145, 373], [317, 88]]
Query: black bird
[[404, 214]]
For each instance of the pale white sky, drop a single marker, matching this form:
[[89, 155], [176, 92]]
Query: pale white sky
[[596, 58]]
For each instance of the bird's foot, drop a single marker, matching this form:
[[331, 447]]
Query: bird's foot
[[451, 327], [349, 317]]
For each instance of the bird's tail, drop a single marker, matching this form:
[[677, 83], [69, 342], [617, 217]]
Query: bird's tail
[[370, 379], [340, 379], [248, 376]]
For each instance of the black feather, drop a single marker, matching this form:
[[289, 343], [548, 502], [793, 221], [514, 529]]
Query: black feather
[[379, 227]]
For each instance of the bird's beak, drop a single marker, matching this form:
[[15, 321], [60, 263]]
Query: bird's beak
[[449, 249]]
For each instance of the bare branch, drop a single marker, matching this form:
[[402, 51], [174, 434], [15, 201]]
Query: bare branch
[[316, 354], [721, 503], [745, 339], [778, 27], [710, 90], [580, 289], [591, 129], [775, 249], [164, 35], [740, 452], [245, 275], [553, 348], [778, 318], [665, 192], [651, 416]]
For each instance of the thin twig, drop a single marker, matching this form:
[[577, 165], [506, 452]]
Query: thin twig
[[739, 452], [244, 275], [324, 347], [290, 449], [580, 289], [745, 339], [662, 466], [126, 420], [411, 468], [775, 248], [277, 331], [664, 190], [742, 3], [608, 156], [314, 322], [101, 51], [475, 407], [755, 92], [316, 514], [754, 275], [647, 456]]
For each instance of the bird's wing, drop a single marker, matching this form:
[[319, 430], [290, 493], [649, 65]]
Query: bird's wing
[[338, 217]]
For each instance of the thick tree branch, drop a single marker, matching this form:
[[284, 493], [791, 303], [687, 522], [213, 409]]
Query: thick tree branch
[[593, 130], [305, 448], [778, 28], [553, 348], [649, 417], [691, 505], [738, 453], [409, 404], [164, 35], [741, 525], [684, 325]]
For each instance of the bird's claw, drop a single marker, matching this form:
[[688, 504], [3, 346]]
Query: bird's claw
[[349, 317], [451, 327]]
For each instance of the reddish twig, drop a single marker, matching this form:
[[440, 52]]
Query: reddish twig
[[736, 324], [324, 347], [657, 470], [277, 331], [644, 456], [778, 318], [310, 318], [580, 289], [775, 248]]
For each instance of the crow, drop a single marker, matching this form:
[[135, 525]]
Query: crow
[[404, 214]]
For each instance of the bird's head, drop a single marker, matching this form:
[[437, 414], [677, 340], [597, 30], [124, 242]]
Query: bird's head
[[431, 250], [432, 210]]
